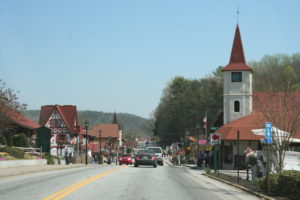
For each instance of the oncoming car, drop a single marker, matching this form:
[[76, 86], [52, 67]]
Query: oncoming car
[[145, 157]]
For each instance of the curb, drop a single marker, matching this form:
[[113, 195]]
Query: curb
[[240, 187]]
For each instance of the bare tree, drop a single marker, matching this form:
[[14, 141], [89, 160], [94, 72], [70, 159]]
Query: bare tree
[[283, 110], [280, 104]]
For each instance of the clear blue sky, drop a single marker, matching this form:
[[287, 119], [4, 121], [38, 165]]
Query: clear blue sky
[[119, 55]]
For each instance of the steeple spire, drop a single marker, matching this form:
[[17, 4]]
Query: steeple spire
[[237, 52], [237, 59], [115, 121]]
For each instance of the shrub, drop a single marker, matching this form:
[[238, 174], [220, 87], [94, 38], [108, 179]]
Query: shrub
[[207, 170], [10, 141], [2, 140], [262, 183], [286, 183], [50, 160], [20, 140], [289, 182], [15, 152]]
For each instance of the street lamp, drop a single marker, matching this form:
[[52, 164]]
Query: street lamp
[[198, 147], [109, 138], [86, 123], [100, 152]]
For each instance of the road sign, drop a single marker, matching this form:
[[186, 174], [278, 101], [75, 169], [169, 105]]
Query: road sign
[[202, 141], [214, 128], [215, 138], [268, 135]]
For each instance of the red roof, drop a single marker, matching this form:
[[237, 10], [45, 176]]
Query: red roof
[[107, 130], [21, 120], [68, 114], [237, 60], [244, 125], [262, 102]]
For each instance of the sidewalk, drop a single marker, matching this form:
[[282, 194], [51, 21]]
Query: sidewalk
[[12, 171], [242, 173]]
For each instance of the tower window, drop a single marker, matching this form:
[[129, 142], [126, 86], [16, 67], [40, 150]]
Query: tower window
[[236, 106], [236, 76]]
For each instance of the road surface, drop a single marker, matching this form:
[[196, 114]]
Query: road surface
[[118, 183]]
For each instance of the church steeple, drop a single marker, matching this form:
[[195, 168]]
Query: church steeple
[[237, 52], [237, 59], [115, 121], [237, 82]]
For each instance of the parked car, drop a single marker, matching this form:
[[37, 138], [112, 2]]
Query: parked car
[[145, 157], [159, 154], [125, 159]]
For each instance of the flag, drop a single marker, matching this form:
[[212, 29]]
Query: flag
[[205, 122]]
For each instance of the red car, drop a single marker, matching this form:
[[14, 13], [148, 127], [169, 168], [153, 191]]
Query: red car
[[125, 159]]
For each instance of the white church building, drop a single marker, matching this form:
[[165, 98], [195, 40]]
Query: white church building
[[242, 108]]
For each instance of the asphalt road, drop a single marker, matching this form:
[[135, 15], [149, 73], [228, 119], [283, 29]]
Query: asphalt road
[[118, 183]]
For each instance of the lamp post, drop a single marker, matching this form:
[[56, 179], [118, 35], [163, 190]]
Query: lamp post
[[86, 123], [198, 147], [109, 138], [100, 152]]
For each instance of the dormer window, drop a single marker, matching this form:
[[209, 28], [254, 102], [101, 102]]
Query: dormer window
[[236, 76]]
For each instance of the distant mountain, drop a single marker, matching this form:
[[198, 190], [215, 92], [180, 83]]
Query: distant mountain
[[132, 125]]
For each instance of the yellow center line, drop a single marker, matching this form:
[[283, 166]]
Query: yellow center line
[[64, 192]]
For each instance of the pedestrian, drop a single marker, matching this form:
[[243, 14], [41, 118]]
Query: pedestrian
[[66, 156], [70, 158], [206, 158], [201, 158]]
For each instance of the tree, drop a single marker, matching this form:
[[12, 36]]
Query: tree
[[2, 140], [183, 105], [278, 78], [8, 102], [20, 140]]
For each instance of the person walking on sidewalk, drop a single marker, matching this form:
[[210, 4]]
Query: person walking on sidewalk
[[66, 156]]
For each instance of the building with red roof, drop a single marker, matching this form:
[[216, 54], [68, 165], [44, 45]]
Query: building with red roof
[[63, 122], [108, 135], [22, 124], [245, 111]]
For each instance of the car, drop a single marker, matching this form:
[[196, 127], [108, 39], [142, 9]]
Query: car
[[125, 158], [145, 157], [159, 154]]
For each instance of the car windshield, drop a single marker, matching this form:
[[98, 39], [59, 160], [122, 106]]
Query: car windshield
[[156, 150], [126, 155], [145, 152], [142, 151]]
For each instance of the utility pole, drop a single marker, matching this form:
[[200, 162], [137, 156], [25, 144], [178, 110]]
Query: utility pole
[[238, 156]]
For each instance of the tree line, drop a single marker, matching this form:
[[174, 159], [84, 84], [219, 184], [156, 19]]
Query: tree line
[[131, 125]]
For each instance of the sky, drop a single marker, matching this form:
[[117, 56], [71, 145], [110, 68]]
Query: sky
[[118, 55]]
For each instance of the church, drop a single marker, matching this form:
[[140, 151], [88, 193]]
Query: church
[[245, 111]]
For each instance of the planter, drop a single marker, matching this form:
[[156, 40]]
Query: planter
[[19, 163]]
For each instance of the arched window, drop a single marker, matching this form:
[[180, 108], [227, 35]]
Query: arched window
[[236, 106]]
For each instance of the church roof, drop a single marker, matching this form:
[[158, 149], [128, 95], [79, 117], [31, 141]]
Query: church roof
[[237, 60]]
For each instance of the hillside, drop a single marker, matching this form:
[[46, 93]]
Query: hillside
[[132, 125]]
